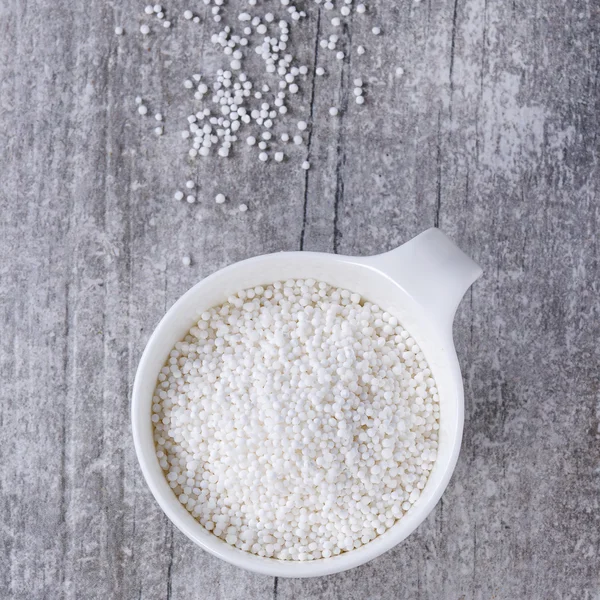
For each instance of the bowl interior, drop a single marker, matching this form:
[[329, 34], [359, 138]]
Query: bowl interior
[[358, 275]]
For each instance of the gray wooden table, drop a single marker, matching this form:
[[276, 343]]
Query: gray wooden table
[[492, 134]]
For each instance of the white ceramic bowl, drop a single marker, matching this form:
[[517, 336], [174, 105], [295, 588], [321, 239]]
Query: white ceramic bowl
[[421, 283]]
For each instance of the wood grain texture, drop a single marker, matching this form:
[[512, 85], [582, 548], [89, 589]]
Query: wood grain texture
[[492, 134]]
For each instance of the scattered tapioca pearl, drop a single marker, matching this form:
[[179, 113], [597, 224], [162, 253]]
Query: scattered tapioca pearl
[[186, 260], [142, 109], [360, 50], [158, 130], [220, 198], [279, 156], [149, 9], [376, 30], [178, 195], [361, 9], [242, 208], [306, 165], [399, 71], [144, 29], [191, 199], [214, 130], [333, 111], [118, 31]]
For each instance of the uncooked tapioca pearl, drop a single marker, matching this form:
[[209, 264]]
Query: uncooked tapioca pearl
[[320, 71], [149, 9], [243, 208], [306, 165], [361, 8], [191, 199], [118, 31], [340, 55], [187, 261], [187, 14], [263, 157], [399, 71], [361, 50], [360, 99], [376, 30], [190, 185], [333, 111], [158, 130], [279, 156], [291, 422], [144, 29], [142, 109], [302, 125], [220, 198], [178, 195]]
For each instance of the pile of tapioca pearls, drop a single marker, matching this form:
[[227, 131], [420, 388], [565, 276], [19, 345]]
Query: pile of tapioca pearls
[[296, 420]]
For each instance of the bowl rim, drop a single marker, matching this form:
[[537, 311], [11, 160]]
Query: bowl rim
[[189, 526]]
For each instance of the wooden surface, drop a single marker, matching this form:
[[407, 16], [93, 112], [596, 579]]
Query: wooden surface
[[492, 134]]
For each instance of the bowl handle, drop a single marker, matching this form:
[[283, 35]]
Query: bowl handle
[[434, 271]]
